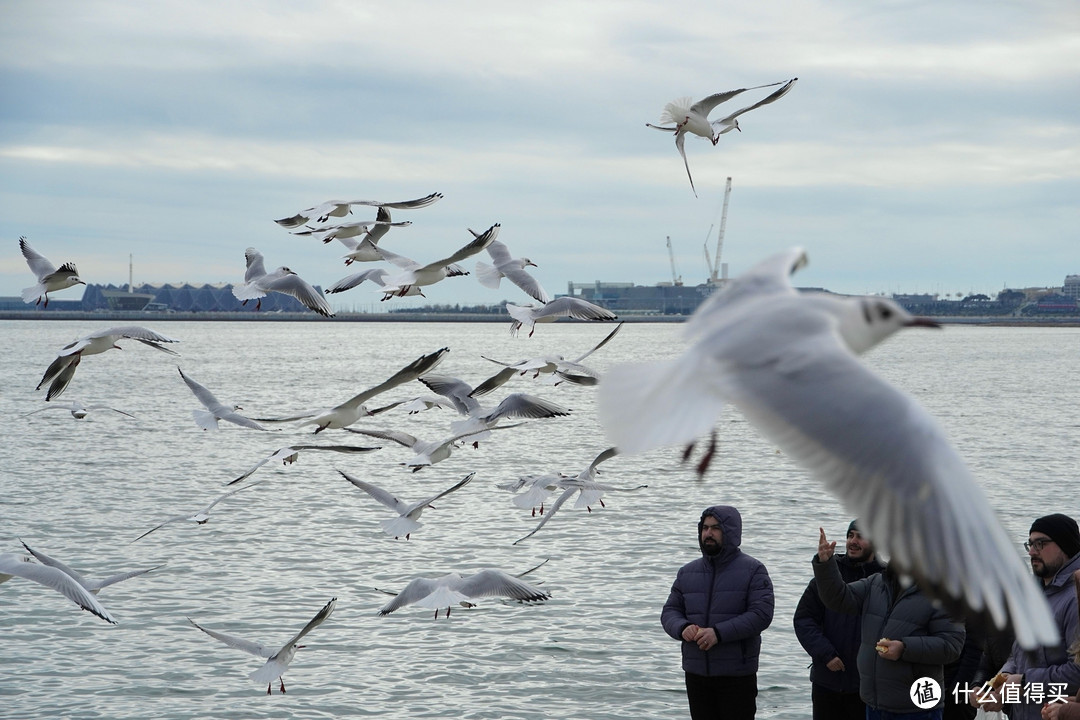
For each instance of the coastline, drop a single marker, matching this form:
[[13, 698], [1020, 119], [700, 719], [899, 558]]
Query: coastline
[[141, 316]]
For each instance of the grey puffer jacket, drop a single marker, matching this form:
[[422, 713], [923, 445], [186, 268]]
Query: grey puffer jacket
[[730, 592], [931, 638]]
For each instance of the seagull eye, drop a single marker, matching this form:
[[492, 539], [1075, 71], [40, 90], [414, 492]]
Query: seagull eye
[[885, 311]]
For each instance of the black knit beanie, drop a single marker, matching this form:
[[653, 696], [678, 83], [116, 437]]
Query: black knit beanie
[[853, 526], [1061, 529]]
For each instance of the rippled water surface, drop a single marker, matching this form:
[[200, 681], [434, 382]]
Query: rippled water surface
[[271, 556]]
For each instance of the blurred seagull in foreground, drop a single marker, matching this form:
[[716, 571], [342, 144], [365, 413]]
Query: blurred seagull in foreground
[[62, 369], [215, 409], [277, 660], [408, 519], [526, 316], [23, 566], [412, 274], [694, 117], [202, 516], [353, 409], [451, 589], [289, 454], [509, 267], [571, 371], [49, 277], [257, 283], [77, 409], [92, 586], [788, 361], [340, 208]]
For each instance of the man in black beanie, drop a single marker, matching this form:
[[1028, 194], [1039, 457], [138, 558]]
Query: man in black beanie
[[1053, 547]]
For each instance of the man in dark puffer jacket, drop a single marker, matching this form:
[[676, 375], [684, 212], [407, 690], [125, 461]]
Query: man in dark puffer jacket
[[718, 607]]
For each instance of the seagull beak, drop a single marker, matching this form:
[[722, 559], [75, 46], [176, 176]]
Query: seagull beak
[[922, 322]]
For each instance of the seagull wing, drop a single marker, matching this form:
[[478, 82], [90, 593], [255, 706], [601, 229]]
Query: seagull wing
[[680, 143], [412, 371], [522, 405], [493, 382], [15, 565], [706, 105], [383, 496], [300, 289], [46, 560], [203, 395], [491, 582], [95, 585], [417, 589], [319, 619], [37, 262], [770, 98], [457, 486], [576, 308], [401, 438], [221, 497], [404, 205], [232, 641], [600, 344], [255, 267], [478, 243], [567, 493]]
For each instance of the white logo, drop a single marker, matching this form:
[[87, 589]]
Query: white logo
[[925, 693]]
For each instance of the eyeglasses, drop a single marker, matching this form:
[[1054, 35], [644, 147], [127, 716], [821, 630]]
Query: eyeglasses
[[1037, 544]]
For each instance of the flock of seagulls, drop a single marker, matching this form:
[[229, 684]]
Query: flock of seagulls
[[788, 361], [471, 421]]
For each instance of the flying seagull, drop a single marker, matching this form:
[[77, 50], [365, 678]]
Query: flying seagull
[[789, 362], [694, 117], [340, 208], [257, 283], [509, 267], [379, 277], [77, 409], [23, 566], [353, 409], [62, 369], [215, 410], [49, 277], [526, 316], [288, 455], [412, 274], [277, 660], [408, 519], [450, 589], [202, 516], [92, 586]]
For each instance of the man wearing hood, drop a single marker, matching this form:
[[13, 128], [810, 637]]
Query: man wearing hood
[[718, 607]]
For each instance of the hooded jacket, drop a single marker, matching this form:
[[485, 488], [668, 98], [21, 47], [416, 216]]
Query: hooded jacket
[[730, 592], [931, 638], [826, 634]]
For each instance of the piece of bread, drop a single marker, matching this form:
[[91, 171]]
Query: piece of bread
[[881, 647], [998, 680]]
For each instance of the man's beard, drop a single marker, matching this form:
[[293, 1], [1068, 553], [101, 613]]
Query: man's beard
[[711, 547]]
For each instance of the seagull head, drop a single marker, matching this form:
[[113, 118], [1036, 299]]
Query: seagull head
[[865, 322]]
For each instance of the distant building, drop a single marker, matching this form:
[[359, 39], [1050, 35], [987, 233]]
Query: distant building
[[183, 297], [1071, 288], [625, 298]]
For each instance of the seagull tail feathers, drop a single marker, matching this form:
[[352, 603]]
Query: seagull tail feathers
[[488, 275], [31, 294], [646, 406]]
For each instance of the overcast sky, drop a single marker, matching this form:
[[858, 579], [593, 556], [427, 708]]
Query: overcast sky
[[927, 146]]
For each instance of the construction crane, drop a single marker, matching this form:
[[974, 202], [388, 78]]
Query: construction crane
[[713, 264], [676, 279]]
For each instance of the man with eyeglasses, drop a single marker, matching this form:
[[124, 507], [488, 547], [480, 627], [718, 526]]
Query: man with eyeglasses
[[718, 607], [1053, 547]]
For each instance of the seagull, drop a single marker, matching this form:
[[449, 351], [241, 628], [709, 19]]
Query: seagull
[[408, 519], [589, 491], [478, 419], [340, 208], [345, 231], [419, 404], [91, 586], [77, 409], [23, 566], [215, 410], [49, 277], [511, 268], [569, 370], [442, 592], [377, 276], [202, 516], [566, 306], [257, 283], [278, 660], [353, 409], [288, 455], [62, 369], [413, 274], [427, 452], [788, 361], [694, 118]]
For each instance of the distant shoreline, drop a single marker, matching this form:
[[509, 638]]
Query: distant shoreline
[[138, 316]]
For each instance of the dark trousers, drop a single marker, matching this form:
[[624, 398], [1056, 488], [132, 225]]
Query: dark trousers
[[832, 705], [721, 697]]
